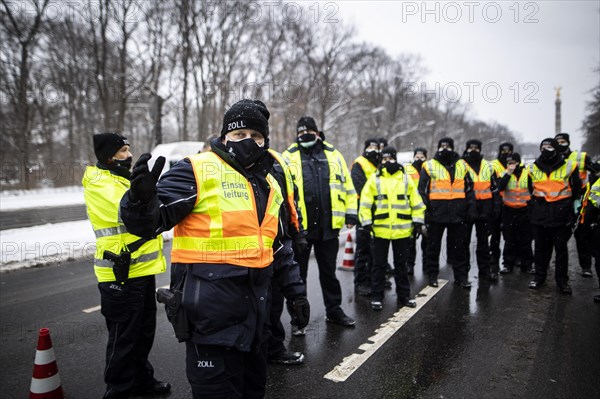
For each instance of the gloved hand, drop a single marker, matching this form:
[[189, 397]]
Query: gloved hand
[[417, 229], [299, 309], [143, 181], [300, 245]]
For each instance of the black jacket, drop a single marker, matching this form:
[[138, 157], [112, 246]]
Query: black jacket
[[226, 304], [448, 211]]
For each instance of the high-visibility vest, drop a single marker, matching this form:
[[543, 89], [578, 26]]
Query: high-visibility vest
[[592, 196], [289, 187], [223, 227], [498, 168], [553, 187], [440, 185], [102, 192], [391, 203], [342, 194], [579, 157], [482, 181], [367, 167], [516, 194], [412, 172]]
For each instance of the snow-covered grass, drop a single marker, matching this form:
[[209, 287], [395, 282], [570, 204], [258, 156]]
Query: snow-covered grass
[[49, 243], [40, 198]]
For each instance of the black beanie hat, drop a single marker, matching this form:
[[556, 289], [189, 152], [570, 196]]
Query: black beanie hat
[[246, 114], [107, 144], [551, 141], [383, 142], [306, 123], [564, 136], [515, 156], [473, 142], [388, 152], [446, 140], [420, 149], [505, 144], [371, 141]]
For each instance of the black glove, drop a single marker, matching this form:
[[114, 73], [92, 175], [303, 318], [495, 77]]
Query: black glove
[[299, 309], [301, 245], [419, 229], [143, 181]]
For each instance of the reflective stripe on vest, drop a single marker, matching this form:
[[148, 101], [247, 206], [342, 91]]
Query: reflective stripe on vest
[[223, 227], [553, 187], [102, 193], [579, 157], [516, 194], [595, 194], [440, 186], [498, 168], [482, 181], [289, 188], [341, 190]]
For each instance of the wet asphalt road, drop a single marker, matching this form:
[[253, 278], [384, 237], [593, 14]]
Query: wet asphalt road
[[36, 216], [493, 341]]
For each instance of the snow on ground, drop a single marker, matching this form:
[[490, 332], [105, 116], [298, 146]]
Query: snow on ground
[[49, 243], [41, 198]]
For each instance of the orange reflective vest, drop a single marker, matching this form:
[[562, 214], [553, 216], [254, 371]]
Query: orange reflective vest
[[555, 186], [516, 194], [440, 185], [482, 181], [223, 227]]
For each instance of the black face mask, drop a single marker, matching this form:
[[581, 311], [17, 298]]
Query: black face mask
[[307, 139], [124, 163], [446, 154], [245, 151], [502, 158], [418, 164], [473, 156], [373, 156], [562, 148], [547, 155], [391, 167]]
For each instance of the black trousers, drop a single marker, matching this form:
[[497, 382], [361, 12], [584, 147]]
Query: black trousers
[[412, 252], [584, 244], [496, 232], [362, 258], [482, 252], [326, 254], [400, 250], [130, 313], [220, 372], [595, 237], [546, 239], [516, 230], [457, 242]]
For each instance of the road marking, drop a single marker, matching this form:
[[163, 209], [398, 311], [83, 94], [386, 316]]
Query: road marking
[[92, 309], [95, 308], [350, 364]]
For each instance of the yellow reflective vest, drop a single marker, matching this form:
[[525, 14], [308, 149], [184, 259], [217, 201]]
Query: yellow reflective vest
[[342, 193], [498, 168], [102, 191], [367, 167], [579, 158], [516, 194], [412, 172], [289, 188], [391, 203], [223, 227]]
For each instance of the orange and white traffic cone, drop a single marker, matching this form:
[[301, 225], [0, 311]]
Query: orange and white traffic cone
[[45, 383], [348, 260]]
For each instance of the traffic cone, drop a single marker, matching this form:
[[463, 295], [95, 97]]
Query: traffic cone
[[45, 383], [348, 261]]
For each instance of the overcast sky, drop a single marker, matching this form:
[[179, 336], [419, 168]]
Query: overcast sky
[[505, 57]]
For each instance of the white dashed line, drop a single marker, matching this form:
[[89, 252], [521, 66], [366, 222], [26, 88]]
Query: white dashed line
[[350, 364]]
